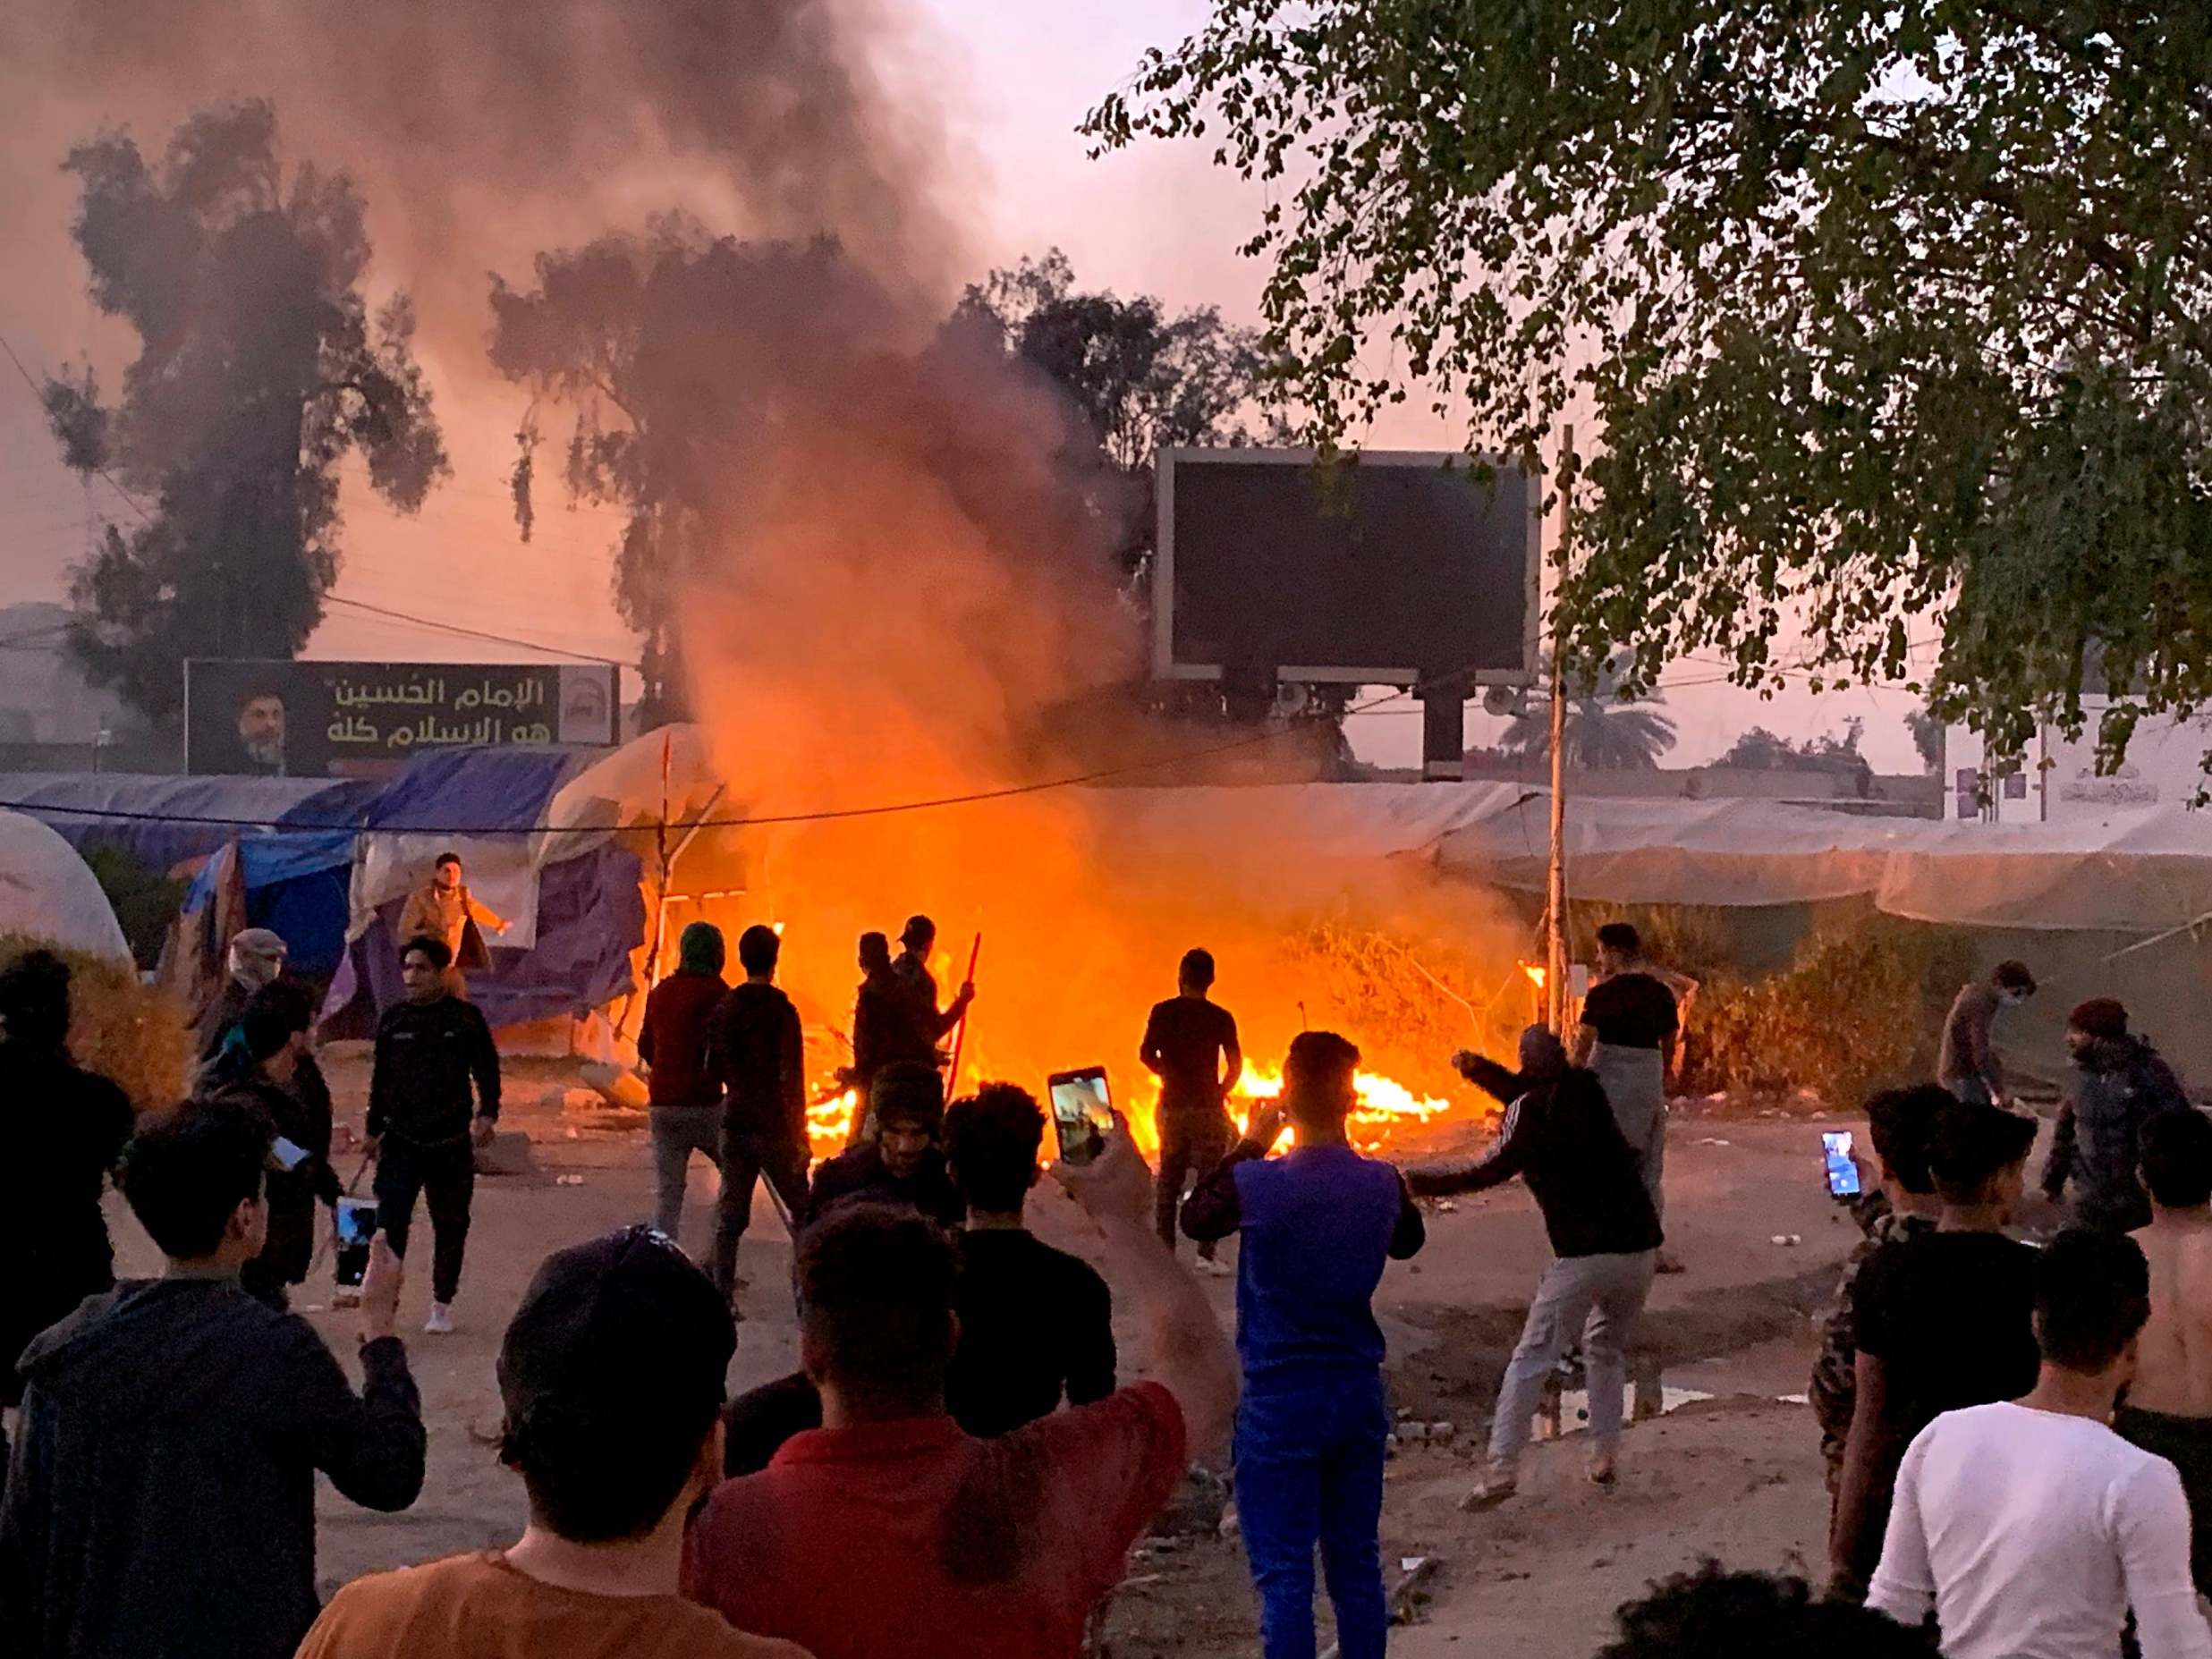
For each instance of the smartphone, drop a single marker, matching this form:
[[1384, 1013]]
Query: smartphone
[[1082, 1112], [289, 1154], [1843, 1168], [356, 1225]]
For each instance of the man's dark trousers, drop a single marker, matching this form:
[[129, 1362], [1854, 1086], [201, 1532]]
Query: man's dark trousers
[[446, 1176]]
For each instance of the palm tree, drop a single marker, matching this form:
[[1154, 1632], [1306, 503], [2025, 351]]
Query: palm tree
[[1605, 730]]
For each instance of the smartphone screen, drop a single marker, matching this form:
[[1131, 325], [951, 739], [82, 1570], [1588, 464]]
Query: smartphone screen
[[288, 1154], [1842, 1170], [356, 1225], [1082, 1112]]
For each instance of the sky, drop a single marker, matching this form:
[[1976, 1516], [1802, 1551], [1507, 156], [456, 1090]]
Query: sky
[[1008, 84]]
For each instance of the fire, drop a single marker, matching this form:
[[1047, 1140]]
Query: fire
[[829, 1123], [1386, 1108], [1535, 970]]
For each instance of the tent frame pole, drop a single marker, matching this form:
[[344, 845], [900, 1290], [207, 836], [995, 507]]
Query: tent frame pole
[[1556, 876]]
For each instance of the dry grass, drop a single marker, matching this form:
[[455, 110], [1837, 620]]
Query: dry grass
[[123, 1029]]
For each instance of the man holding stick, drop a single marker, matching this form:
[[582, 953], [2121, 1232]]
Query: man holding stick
[[912, 970]]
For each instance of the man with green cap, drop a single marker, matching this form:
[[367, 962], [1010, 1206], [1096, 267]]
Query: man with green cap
[[676, 1046]]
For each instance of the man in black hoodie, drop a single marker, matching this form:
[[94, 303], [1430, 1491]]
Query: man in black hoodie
[[1561, 1137], [267, 1063], [161, 1500], [423, 1127]]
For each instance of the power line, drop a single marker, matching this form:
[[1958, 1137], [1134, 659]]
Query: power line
[[475, 633]]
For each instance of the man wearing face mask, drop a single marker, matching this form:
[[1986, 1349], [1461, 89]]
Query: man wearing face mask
[[1967, 1064], [2120, 1083], [257, 958]]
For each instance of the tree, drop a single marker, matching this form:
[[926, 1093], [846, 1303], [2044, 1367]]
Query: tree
[[1927, 739], [663, 344], [1879, 305], [1607, 729], [1141, 380], [259, 369], [1761, 750]]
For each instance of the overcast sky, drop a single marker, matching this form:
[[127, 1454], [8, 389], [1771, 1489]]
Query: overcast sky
[[1009, 83]]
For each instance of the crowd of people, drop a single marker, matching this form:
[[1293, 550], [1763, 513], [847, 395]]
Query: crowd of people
[[959, 1465]]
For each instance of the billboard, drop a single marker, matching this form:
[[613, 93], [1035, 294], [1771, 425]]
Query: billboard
[[288, 719], [1397, 568]]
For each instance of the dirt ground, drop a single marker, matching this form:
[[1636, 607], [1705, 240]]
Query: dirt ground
[[1734, 1476]]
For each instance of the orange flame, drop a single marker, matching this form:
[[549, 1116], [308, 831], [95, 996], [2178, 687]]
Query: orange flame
[[1386, 1106]]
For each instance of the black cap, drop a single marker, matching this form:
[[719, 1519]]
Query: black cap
[[600, 1315], [917, 928]]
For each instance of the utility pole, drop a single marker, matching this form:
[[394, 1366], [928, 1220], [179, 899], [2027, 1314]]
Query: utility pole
[[1556, 881]]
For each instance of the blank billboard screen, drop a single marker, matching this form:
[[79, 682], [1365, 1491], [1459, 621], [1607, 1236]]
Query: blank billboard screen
[[1387, 569]]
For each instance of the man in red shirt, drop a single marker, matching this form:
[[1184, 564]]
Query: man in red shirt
[[676, 1044], [890, 1534]]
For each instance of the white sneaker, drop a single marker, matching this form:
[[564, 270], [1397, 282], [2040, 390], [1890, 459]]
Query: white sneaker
[[441, 1320]]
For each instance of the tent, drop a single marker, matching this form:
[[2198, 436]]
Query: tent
[[48, 893], [168, 822], [574, 900]]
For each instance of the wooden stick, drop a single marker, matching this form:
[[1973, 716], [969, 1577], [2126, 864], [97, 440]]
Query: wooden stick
[[960, 1038]]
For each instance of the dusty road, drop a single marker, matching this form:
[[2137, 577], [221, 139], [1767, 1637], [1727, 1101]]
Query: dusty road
[[1735, 1475]]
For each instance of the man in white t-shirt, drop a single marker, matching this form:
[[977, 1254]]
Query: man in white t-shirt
[[2029, 1528]]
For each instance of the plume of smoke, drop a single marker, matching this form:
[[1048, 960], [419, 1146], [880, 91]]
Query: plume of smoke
[[884, 575], [480, 129]]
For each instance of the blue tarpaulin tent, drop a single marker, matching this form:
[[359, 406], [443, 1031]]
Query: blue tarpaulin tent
[[166, 822], [295, 885], [575, 902]]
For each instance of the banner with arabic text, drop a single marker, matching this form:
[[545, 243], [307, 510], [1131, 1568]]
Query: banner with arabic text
[[286, 719]]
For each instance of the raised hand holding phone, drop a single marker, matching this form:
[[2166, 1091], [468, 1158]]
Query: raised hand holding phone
[[380, 1291], [1266, 1127], [1114, 1187]]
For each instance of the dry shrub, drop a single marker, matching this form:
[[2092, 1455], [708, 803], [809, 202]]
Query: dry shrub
[[1370, 984], [1860, 1008], [119, 1028]]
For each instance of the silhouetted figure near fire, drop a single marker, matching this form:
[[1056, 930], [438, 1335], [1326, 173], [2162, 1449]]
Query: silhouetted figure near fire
[[932, 1025], [885, 1033], [1191, 1045]]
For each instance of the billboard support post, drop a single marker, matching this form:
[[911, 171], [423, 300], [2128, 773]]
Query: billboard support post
[[1556, 877]]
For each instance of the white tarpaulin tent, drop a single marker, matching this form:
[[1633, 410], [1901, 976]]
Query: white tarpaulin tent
[[49, 894], [2133, 870], [2141, 870]]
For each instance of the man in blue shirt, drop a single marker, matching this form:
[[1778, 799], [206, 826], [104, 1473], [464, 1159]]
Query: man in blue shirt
[[1313, 1425]]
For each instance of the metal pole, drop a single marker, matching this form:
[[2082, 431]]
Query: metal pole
[[1555, 881]]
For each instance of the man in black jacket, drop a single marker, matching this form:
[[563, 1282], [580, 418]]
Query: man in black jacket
[[2120, 1083], [65, 1129], [267, 1064], [1561, 1137], [760, 1059], [161, 1501], [423, 1128]]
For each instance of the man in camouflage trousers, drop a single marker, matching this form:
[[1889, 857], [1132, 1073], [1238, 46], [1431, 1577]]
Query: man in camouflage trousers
[[1901, 1120]]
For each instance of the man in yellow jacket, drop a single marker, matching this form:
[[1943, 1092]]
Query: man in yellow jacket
[[445, 910]]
